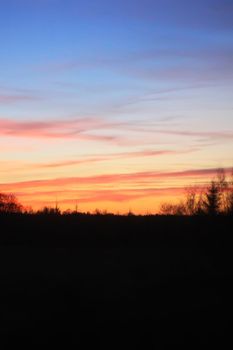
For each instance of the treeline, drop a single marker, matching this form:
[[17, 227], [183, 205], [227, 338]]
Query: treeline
[[215, 198]]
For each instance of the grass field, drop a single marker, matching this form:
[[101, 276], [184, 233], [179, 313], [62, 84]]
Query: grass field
[[111, 282]]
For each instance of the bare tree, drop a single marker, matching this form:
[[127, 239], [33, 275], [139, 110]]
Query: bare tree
[[191, 200], [223, 190], [9, 203], [173, 209], [229, 197], [225, 187]]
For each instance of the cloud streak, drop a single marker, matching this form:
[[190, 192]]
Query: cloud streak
[[114, 179], [11, 99], [178, 64], [54, 129], [227, 135], [106, 157], [98, 129]]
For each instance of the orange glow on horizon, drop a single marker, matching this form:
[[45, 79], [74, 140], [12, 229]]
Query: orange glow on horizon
[[140, 193]]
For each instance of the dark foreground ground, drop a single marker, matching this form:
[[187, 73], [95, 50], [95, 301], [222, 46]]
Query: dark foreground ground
[[114, 282]]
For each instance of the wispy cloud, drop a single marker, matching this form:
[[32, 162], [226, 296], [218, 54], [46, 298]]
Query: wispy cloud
[[56, 129], [118, 196], [102, 130], [228, 135], [82, 159], [106, 157], [114, 178], [10, 99], [181, 64]]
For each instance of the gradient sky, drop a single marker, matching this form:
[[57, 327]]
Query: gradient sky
[[114, 104]]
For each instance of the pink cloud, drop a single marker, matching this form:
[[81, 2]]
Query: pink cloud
[[152, 129], [107, 157], [92, 196], [124, 196], [112, 179], [76, 128], [97, 129]]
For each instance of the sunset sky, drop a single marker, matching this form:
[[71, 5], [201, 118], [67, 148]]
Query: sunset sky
[[115, 105]]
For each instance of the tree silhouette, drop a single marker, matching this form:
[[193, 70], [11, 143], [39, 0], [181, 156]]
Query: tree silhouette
[[229, 197], [9, 203], [212, 199], [172, 209], [216, 198]]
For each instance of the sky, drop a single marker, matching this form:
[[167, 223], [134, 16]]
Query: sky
[[115, 105]]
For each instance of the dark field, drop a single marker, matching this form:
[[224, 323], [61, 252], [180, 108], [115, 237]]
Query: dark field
[[112, 282]]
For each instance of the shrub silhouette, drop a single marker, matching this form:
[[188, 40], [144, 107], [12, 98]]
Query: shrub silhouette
[[49, 211]]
